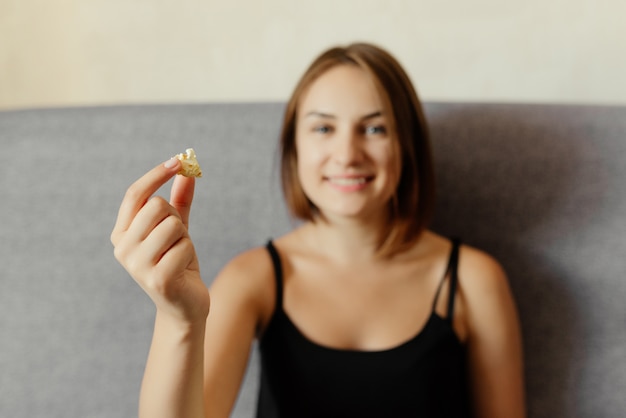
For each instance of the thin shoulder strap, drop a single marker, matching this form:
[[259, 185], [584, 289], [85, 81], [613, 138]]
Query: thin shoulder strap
[[278, 272], [451, 270]]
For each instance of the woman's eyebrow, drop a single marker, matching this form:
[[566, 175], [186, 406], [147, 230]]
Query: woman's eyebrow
[[330, 116], [320, 115], [372, 115]]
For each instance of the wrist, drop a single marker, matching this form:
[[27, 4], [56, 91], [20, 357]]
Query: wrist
[[175, 325]]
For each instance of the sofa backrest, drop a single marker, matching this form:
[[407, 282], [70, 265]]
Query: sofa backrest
[[540, 187]]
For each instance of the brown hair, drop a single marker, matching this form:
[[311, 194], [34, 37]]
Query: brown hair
[[411, 207]]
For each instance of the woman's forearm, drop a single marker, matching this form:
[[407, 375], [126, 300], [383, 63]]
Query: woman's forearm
[[173, 380]]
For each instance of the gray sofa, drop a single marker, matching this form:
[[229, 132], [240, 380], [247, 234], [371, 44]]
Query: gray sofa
[[541, 187]]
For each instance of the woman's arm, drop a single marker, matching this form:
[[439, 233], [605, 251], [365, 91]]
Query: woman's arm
[[152, 242], [242, 298], [172, 382], [494, 338], [196, 370], [196, 360]]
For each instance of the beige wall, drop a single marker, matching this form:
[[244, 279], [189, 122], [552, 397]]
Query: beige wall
[[72, 52]]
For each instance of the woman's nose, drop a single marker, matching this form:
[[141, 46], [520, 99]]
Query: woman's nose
[[348, 148]]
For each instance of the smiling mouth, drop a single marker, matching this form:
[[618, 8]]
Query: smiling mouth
[[349, 181]]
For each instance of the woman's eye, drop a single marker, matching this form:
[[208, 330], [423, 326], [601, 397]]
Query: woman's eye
[[322, 129], [375, 130]]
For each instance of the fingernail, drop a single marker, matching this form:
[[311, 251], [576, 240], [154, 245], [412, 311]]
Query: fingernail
[[171, 163]]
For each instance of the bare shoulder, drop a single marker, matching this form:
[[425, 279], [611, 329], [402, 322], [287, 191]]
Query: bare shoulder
[[246, 282], [487, 298], [240, 296], [479, 270], [494, 335], [249, 266]]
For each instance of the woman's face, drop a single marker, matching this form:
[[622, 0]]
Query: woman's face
[[346, 155]]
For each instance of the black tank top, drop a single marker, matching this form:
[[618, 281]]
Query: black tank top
[[423, 377]]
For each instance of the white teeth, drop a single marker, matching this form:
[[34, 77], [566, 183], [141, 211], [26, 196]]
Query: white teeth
[[347, 181]]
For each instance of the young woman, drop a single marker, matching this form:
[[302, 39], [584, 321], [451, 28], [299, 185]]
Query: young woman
[[359, 312]]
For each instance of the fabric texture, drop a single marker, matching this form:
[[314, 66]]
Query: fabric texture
[[424, 377]]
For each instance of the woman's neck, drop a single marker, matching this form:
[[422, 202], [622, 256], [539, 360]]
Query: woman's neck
[[345, 241]]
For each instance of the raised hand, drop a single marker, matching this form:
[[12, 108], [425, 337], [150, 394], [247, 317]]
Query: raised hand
[[152, 243]]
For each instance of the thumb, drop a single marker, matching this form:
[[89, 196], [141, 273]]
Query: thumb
[[181, 196]]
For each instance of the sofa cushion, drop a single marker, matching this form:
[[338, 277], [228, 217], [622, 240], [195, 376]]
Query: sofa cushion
[[541, 187]]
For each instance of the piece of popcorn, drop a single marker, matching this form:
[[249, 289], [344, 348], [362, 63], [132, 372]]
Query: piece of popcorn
[[190, 166]]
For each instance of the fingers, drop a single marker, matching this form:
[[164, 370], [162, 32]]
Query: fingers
[[139, 192], [179, 257], [151, 242], [150, 216], [182, 195], [154, 231], [163, 237]]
